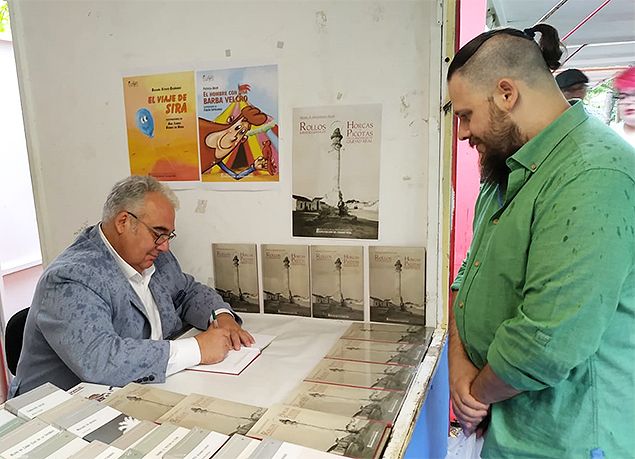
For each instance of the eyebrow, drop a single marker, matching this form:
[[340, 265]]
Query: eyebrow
[[162, 229]]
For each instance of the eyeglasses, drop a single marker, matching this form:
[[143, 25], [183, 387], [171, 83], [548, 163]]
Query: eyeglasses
[[160, 238]]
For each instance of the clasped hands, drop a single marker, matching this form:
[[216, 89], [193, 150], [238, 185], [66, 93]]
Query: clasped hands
[[471, 413], [216, 341]]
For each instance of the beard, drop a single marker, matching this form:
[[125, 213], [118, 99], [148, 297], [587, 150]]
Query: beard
[[501, 141]]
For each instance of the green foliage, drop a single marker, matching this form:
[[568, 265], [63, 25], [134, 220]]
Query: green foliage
[[4, 16]]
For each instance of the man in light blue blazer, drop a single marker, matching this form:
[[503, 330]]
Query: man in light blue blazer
[[103, 308]]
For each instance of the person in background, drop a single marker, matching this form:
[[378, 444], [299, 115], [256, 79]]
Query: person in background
[[624, 85], [103, 309], [573, 84], [541, 330]]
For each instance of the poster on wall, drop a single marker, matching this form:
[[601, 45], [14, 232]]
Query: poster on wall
[[236, 275], [337, 282], [397, 276], [336, 171], [238, 125], [161, 126], [285, 279]]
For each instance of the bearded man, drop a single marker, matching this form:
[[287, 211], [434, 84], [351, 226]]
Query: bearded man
[[542, 327]]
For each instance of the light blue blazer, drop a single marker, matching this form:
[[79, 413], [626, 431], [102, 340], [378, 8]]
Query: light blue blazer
[[86, 323]]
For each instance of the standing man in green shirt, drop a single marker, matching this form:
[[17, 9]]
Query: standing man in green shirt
[[542, 335]]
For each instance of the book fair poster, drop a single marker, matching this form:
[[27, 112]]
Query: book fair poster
[[161, 126], [238, 124], [336, 171]]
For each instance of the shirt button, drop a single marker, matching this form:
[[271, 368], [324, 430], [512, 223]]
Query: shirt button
[[495, 221], [477, 263], [533, 167], [461, 304]]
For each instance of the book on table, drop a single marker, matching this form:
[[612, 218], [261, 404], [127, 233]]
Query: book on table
[[237, 447], [213, 414], [236, 361], [25, 438], [42, 398], [60, 446], [377, 352], [340, 435], [197, 444], [382, 405], [9, 422], [362, 374], [97, 450], [157, 443], [389, 333], [270, 448], [142, 401], [92, 391]]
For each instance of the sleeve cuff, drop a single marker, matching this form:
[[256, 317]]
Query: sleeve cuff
[[510, 373], [221, 311], [184, 353]]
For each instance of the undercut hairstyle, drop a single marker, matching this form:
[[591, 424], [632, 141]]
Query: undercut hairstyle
[[129, 195], [510, 53]]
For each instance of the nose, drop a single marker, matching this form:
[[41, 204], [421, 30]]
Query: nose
[[164, 246], [463, 131]]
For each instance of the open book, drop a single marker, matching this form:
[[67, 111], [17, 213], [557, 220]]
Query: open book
[[236, 361]]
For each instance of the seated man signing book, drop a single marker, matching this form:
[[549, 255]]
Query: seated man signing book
[[104, 307]]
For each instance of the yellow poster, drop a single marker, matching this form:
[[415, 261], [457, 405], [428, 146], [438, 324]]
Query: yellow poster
[[161, 125]]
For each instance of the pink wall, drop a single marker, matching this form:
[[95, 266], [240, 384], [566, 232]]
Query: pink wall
[[466, 182]]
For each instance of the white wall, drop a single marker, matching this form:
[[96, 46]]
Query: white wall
[[19, 243], [73, 54]]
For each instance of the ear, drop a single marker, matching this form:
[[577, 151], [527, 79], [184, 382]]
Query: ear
[[120, 221], [506, 94]]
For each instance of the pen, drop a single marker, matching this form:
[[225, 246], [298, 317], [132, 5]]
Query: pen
[[214, 324]]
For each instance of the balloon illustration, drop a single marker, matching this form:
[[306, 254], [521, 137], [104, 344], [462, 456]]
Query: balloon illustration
[[145, 122]]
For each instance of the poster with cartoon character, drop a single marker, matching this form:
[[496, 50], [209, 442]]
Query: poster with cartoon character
[[161, 126], [238, 124]]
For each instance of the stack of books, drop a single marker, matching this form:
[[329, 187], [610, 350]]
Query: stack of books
[[350, 400], [133, 422]]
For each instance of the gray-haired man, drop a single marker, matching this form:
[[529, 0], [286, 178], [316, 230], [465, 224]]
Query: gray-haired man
[[102, 309]]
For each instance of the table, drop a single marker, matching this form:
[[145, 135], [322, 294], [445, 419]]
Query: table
[[300, 344]]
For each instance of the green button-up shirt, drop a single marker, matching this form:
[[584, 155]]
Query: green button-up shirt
[[547, 294]]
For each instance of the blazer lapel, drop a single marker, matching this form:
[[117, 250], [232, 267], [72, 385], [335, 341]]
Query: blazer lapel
[[161, 295], [118, 276]]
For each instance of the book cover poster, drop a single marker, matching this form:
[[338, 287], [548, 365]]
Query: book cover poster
[[341, 435], [397, 276], [236, 275], [238, 124], [161, 126], [285, 279], [337, 282], [336, 171]]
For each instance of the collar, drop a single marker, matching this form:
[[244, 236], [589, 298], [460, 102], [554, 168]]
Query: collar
[[535, 152], [128, 271]]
